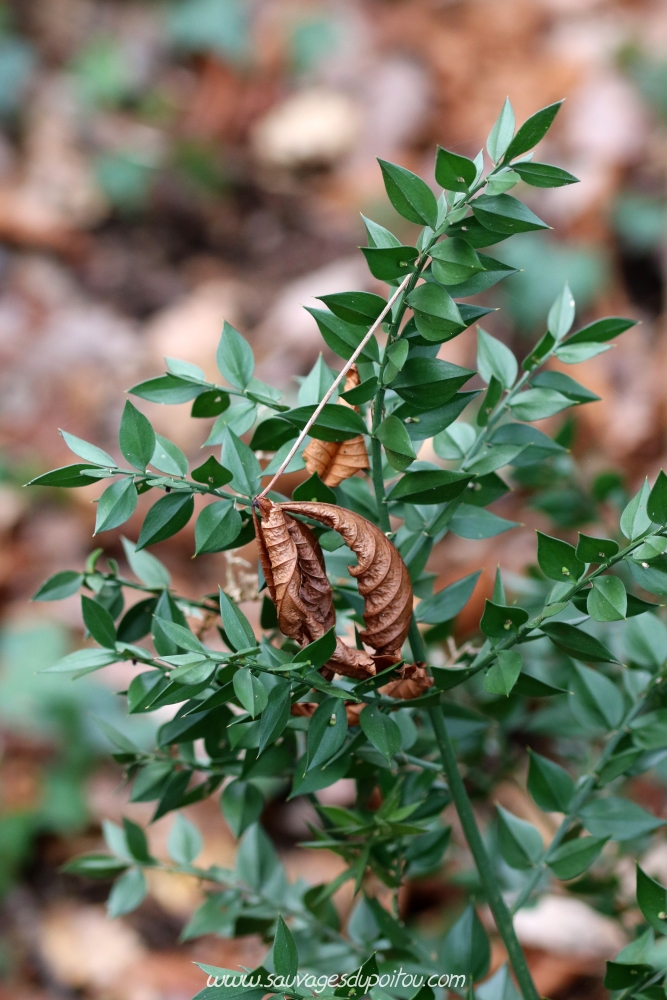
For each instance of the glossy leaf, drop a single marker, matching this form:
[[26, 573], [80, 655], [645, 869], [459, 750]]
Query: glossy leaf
[[544, 175], [558, 560], [561, 314], [218, 525], [448, 602], [409, 194], [326, 732], [532, 130], [607, 599], [453, 171], [99, 622], [506, 215], [502, 132], [234, 357], [165, 518], [237, 627], [116, 505], [59, 586], [577, 643], [136, 437]]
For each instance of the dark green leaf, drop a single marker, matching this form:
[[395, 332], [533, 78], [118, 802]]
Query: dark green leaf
[[313, 489], [334, 423], [495, 360], [382, 731], [477, 235], [250, 692], [602, 330], [504, 214], [67, 477], [169, 389], [271, 434], [409, 194], [210, 404], [218, 525], [378, 236], [389, 263], [242, 804], [424, 425], [652, 901], [498, 622], [543, 175], [595, 550], [242, 463], [574, 857], [116, 505], [454, 261], [136, 437], [429, 487], [237, 627], [429, 383], [212, 474], [361, 393], [137, 620], [577, 643], [171, 513], [234, 357], [494, 271], [319, 652], [656, 507], [276, 714], [452, 171], [397, 443], [344, 338], [502, 675], [558, 559], [550, 785], [607, 599], [565, 385], [448, 602], [357, 308], [59, 586], [326, 732], [436, 314], [532, 130], [99, 622]]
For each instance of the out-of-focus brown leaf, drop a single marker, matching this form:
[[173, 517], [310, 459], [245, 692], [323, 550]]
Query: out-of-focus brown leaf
[[335, 461], [413, 681], [382, 576], [293, 566]]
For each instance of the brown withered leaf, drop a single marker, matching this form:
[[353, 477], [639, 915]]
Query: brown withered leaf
[[412, 682], [382, 576], [293, 566], [335, 461]]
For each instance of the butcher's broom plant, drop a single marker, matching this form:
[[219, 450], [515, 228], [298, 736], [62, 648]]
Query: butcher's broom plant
[[353, 672]]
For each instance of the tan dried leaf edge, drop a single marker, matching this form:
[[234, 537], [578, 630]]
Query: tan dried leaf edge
[[335, 461]]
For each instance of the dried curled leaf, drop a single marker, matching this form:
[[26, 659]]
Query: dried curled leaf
[[293, 566], [335, 461], [382, 576], [412, 682]]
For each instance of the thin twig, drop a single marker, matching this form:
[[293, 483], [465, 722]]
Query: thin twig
[[339, 378]]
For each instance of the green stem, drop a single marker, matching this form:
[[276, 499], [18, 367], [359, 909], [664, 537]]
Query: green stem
[[501, 914]]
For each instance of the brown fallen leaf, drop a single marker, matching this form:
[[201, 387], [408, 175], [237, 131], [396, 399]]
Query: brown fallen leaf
[[335, 461], [413, 681], [382, 576], [293, 566]]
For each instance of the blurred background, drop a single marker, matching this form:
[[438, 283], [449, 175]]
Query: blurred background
[[165, 166]]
